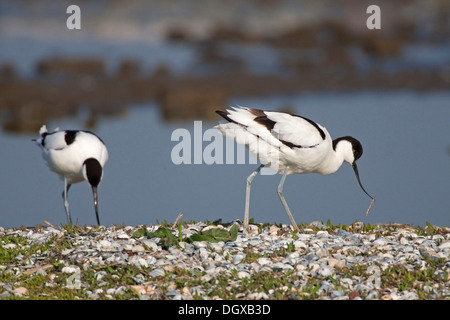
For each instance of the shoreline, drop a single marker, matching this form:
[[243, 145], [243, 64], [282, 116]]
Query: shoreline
[[265, 262]]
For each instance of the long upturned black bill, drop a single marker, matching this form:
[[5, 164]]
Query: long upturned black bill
[[355, 168], [94, 191]]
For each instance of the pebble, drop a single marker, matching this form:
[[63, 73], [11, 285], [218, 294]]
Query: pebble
[[151, 244], [157, 273], [71, 269], [322, 253], [325, 271], [238, 258], [20, 291], [300, 244], [243, 274], [311, 254], [264, 261]]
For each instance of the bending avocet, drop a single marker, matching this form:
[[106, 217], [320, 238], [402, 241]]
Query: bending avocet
[[288, 144]]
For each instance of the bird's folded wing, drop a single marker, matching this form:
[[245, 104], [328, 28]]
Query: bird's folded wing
[[278, 128], [295, 131]]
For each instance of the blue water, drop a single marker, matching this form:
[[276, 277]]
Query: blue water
[[406, 165], [405, 135]]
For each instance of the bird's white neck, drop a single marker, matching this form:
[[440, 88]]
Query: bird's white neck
[[343, 151]]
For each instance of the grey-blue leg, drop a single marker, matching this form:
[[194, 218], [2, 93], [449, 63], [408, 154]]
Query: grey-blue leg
[[65, 197], [247, 194], [280, 194]]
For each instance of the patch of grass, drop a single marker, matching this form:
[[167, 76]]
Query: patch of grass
[[429, 230], [168, 239], [404, 279], [22, 248], [277, 285]]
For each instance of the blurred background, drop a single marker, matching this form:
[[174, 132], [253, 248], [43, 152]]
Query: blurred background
[[138, 70]]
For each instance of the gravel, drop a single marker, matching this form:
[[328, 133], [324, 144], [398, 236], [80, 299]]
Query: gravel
[[321, 262]]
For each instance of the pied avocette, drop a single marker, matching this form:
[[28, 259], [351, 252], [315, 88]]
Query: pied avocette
[[75, 155], [288, 144]]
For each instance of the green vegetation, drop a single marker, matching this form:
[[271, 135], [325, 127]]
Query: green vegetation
[[168, 239]]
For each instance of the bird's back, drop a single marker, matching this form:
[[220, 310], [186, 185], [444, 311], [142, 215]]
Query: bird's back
[[276, 127], [279, 139]]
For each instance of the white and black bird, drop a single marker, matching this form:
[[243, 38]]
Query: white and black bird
[[288, 144], [75, 155]]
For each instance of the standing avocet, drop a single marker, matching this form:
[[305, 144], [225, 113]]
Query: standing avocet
[[75, 155], [288, 144]]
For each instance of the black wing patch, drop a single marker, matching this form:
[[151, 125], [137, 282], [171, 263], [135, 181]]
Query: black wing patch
[[70, 135], [266, 122], [224, 115]]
